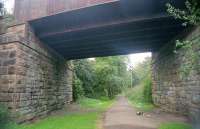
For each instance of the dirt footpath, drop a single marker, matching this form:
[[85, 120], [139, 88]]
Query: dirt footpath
[[123, 116]]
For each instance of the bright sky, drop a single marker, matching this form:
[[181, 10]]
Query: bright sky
[[9, 4], [134, 58], [138, 58]]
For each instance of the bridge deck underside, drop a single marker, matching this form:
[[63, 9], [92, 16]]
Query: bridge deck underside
[[114, 28]]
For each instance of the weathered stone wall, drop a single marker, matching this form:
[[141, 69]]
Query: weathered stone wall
[[172, 90], [34, 79]]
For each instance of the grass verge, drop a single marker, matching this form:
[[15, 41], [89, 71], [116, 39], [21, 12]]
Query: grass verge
[[86, 120], [174, 125], [100, 105], [73, 121], [137, 98]]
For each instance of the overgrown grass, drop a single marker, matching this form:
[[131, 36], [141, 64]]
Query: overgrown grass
[[74, 121], [79, 120], [140, 96], [176, 125], [95, 103]]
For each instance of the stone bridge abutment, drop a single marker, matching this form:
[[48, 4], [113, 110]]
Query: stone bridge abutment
[[34, 80], [176, 76]]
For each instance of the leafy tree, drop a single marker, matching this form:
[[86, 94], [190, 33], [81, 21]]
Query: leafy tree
[[141, 71], [78, 90], [112, 75], [104, 77], [85, 73]]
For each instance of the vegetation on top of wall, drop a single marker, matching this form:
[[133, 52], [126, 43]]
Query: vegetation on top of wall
[[191, 54], [191, 15]]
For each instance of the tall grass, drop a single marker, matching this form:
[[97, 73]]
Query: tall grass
[[100, 105], [141, 95], [147, 89]]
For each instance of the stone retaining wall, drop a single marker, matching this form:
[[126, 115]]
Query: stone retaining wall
[[34, 79], [171, 90]]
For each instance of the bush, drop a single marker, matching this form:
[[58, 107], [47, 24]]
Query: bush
[[147, 91], [78, 91]]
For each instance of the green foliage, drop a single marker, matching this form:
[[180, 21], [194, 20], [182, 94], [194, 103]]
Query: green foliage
[[77, 120], [140, 96], [141, 93], [73, 121], [183, 44], [174, 125], [190, 54], [95, 103], [141, 71], [190, 15], [111, 75], [104, 77], [185, 69], [78, 91], [147, 92], [85, 73]]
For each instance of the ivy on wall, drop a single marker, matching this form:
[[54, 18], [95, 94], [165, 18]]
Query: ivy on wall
[[191, 15]]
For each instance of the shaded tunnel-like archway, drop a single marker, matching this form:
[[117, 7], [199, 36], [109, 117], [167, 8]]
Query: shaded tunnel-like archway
[[113, 28]]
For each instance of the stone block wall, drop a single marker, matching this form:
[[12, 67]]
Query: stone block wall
[[171, 90], [34, 79]]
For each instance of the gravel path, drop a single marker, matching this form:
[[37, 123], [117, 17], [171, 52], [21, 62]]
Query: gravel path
[[123, 116]]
